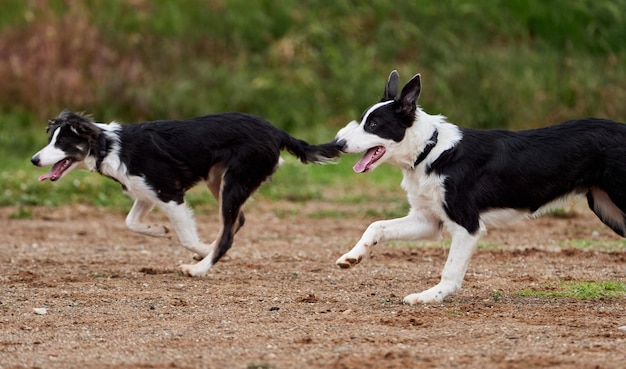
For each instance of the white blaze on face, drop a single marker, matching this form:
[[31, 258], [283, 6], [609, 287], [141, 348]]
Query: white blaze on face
[[51, 154], [357, 140], [374, 107]]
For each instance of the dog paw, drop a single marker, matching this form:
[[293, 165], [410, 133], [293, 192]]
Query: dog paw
[[419, 298], [192, 270], [432, 295], [348, 261]]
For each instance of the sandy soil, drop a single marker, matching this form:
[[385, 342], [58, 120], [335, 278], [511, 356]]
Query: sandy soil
[[114, 299]]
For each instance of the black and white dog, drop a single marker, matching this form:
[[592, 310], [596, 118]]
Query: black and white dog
[[157, 162], [465, 179]]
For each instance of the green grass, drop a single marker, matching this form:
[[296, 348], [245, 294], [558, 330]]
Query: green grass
[[293, 181], [308, 67], [21, 188], [582, 290], [496, 296], [594, 244]]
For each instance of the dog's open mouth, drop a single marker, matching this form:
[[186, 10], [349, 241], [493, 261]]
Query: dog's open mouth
[[371, 156], [57, 170]]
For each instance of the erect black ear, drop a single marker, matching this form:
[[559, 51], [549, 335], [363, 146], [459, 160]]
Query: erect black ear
[[391, 89], [410, 93]]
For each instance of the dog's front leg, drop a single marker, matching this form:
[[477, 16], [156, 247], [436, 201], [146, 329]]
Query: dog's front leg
[[140, 208], [461, 250], [414, 226]]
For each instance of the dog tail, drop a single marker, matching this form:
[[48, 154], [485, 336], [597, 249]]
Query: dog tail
[[307, 153]]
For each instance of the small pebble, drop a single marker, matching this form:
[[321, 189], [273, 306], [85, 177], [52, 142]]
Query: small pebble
[[622, 328], [274, 308], [40, 311]]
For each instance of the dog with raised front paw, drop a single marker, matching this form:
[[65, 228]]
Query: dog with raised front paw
[[464, 179]]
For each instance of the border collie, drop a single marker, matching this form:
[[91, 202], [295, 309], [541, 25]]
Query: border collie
[[157, 162], [464, 179]]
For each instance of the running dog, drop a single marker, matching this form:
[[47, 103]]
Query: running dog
[[157, 162], [464, 179]]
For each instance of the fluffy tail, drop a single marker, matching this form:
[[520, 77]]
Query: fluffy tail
[[307, 153]]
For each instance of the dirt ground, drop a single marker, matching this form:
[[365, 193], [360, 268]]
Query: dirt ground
[[114, 299]]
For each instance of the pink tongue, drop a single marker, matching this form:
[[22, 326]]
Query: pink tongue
[[45, 176], [361, 166], [56, 171]]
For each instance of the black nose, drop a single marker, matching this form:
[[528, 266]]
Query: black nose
[[35, 160], [341, 144]]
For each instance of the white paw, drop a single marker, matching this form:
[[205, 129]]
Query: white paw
[[193, 270], [349, 260], [432, 295]]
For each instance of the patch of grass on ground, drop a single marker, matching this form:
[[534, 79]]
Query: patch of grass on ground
[[293, 181], [601, 245], [583, 290]]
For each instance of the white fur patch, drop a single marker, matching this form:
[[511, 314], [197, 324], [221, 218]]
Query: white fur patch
[[112, 166], [372, 108], [51, 154]]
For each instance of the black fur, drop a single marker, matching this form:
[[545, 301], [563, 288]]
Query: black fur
[[524, 170], [176, 155]]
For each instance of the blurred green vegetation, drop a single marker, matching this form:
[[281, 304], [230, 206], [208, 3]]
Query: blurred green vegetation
[[307, 66]]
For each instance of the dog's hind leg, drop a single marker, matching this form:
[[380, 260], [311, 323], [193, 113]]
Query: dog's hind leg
[[235, 190], [604, 205], [461, 250], [140, 208], [415, 226], [214, 183], [216, 178]]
